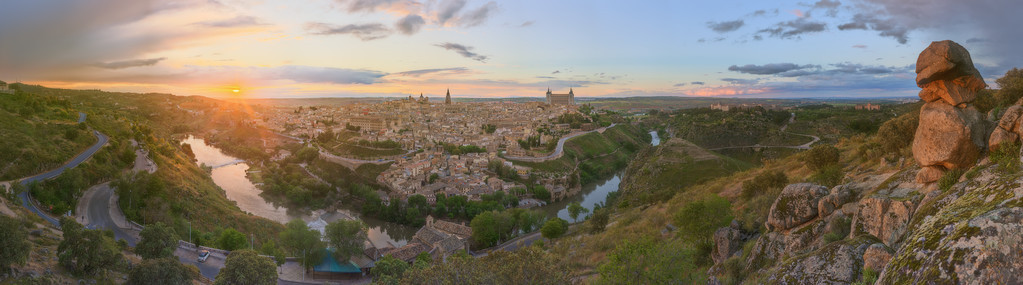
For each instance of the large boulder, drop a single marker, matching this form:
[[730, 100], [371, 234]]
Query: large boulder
[[836, 263], [944, 60], [839, 195], [877, 256], [1001, 137], [727, 242], [949, 137], [954, 92], [796, 205], [995, 253], [883, 218], [766, 251]]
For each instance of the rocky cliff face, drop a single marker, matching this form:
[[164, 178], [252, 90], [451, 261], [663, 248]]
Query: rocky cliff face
[[903, 226]]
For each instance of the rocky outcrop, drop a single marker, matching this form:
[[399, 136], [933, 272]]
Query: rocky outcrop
[[767, 250], [728, 242], [995, 253], [876, 256], [952, 134], [883, 218], [840, 195], [1009, 127], [797, 204], [836, 263]]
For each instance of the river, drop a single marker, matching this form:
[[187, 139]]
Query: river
[[592, 193], [232, 178]]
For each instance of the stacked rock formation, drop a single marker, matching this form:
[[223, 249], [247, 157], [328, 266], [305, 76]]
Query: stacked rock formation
[[952, 133]]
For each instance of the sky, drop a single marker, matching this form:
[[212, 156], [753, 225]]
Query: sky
[[482, 48]]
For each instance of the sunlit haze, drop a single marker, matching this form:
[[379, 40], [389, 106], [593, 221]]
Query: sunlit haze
[[478, 48]]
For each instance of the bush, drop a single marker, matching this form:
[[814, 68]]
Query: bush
[[820, 156], [230, 240], [829, 176], [554, 228], [1007, 158], [14, 244], [158, 241], [950, 178], [159, 271], [697, 220], [763, 182], [839, 231], [869, 277], [897, 134]]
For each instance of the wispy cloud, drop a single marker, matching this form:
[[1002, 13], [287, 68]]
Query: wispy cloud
[[724, 27], [794, 28], [462, 50], [410, 24], [129, 63], [240, 21], [365, 32], [421, 72]]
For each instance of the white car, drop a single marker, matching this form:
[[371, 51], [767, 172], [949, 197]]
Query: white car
[[203, 255]]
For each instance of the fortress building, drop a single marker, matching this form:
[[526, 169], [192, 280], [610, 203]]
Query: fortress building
[[561, 99]]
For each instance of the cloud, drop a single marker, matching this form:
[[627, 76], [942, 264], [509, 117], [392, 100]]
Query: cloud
[[697, 83], [886, 27], [859, 46], [556, 72], [239, 21], [769, 69], [465, 51], [740, 81], [479, 16], [313, 74], [421, 72], [679, 84], [365, 32], [410, 24], [724, 27], [759, 13], [448, 9], [355, 6], [794, 28], [128, 63], [526, 24], [830, 7]]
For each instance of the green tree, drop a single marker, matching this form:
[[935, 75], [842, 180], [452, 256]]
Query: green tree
[[389, 268], [230, 240], [433, 178], [303, 243], [697, 220], [307, 154], [159, 271], [554, 228], [423, 260], [158, 241], [271, 249], [1010, 87], [598, 221], [85, 251], [484, 229], [244, 267], [346, 237], [574, 209], [649, 262], [764, 182], [14, 244], [530, 220], [820, 156]]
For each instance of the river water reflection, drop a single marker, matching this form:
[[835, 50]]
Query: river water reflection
[[230, 175], [592, 193]]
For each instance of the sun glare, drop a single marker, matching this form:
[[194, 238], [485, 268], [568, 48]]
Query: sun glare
[[235, 90]]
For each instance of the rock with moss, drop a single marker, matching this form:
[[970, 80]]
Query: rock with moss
[[837, 263], [877, 256], [796, 205], [728, 241], [840, 195], [767, 250], [884, 218]]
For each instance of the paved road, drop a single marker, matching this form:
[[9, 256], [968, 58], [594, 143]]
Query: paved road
[[561, 146], [520, 242], [814, 139], [209, 269], [24, 196]]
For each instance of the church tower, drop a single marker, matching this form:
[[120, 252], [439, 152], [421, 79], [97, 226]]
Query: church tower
[[571, 96], [447, 99]]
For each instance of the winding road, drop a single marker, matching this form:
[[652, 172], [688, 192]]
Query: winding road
[[27, 201], [814, 140], [560, 148]]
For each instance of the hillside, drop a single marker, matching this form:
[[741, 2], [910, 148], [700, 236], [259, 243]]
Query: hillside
[[657, 173]]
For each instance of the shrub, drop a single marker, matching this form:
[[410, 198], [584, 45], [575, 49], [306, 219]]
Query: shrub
[[896, 134], [765, 181], [14, 244], [734, 268], [839, 230], [828, 176], [697, 220], [869, 277], [820, 156], [950, 178], [1007, 158]]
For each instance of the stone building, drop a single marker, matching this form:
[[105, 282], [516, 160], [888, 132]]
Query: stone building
[[561, 99]]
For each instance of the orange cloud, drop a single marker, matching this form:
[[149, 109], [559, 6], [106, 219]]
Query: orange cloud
[[724, 91]]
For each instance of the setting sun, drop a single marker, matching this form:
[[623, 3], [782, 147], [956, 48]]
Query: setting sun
[[235, 90]]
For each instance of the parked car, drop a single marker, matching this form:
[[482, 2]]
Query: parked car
[[203, 255]]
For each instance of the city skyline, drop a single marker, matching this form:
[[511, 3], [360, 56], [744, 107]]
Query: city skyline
[[371, 48]]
